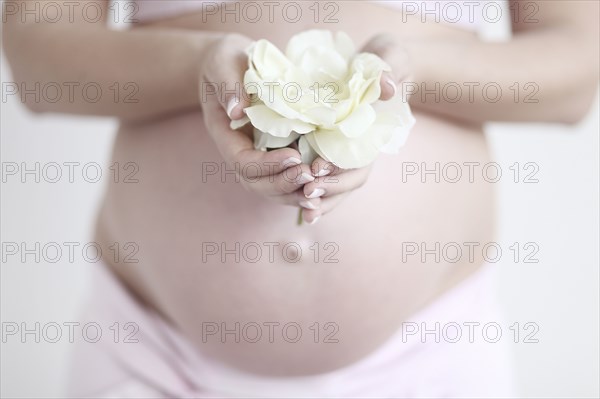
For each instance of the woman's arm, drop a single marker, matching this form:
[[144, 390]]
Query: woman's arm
[[553, 63], [164, 67]]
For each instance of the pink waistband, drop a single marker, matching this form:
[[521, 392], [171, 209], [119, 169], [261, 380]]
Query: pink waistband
[[480, 17], [168, 362]]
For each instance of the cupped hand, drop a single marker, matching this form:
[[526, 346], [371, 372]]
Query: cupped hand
[[332, 185], [276, 175]]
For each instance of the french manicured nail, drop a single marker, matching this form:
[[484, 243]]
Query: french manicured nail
[[323, 172], [304, 178], [392, 85], [315, 220], [307, 205], [233, 102], [290, 162], [316, 193]]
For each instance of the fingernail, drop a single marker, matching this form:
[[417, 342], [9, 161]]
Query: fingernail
[[315, 220], [316, 193], [233, 102], [292, 161], [392, 85], [304, 178], [323, 172], [307, 205]]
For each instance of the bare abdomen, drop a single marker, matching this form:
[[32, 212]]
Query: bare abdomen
[[210, 252]]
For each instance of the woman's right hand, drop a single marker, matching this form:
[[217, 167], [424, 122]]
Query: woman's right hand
[[278, 175]]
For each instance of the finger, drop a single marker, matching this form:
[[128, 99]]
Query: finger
[[297, 199], [388, 86], [231, 96], [329, 186], [380, 45], [321, 167], [228, 141], [237, 148], [256, 164], [224, 74], [311, 216], [290, 180]]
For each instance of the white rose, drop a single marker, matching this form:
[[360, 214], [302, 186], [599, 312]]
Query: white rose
[[323, 94]]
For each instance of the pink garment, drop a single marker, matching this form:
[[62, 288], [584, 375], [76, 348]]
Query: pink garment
[[163, 364], [490, 19], [467, 15]]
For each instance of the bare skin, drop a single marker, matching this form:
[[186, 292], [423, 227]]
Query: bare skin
[[174, 208]]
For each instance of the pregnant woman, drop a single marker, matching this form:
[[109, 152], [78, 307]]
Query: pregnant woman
[[331, 307]]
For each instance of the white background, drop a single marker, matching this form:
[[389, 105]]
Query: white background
[[560, 213]]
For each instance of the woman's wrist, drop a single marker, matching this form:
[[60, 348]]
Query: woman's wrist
[[412, 60]]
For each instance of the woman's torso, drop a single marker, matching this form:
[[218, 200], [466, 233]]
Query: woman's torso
[[180, 212]]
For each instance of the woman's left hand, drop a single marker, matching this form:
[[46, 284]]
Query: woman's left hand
[[332, 184]]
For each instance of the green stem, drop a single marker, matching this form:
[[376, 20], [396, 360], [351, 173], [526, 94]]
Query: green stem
[[299, 221]]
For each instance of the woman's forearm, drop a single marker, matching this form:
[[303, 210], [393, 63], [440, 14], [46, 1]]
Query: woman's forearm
[[548, 71], [90, 70], [547, 76]]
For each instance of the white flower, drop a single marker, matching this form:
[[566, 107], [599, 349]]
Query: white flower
[[323, 94]]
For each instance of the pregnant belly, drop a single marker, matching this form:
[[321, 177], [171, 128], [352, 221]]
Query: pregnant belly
[[236, 275]]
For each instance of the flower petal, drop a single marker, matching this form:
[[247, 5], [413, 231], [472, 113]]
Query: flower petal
[[236, 124], [307, 153], [303, 41], [358, 121], [268, 121], [344, 45], [264, 141], [344, 152], [267, 60], [369, 67], [387, 134], [321, 116], [271, 94], [395, 112], [323, 65], [292, 100]]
